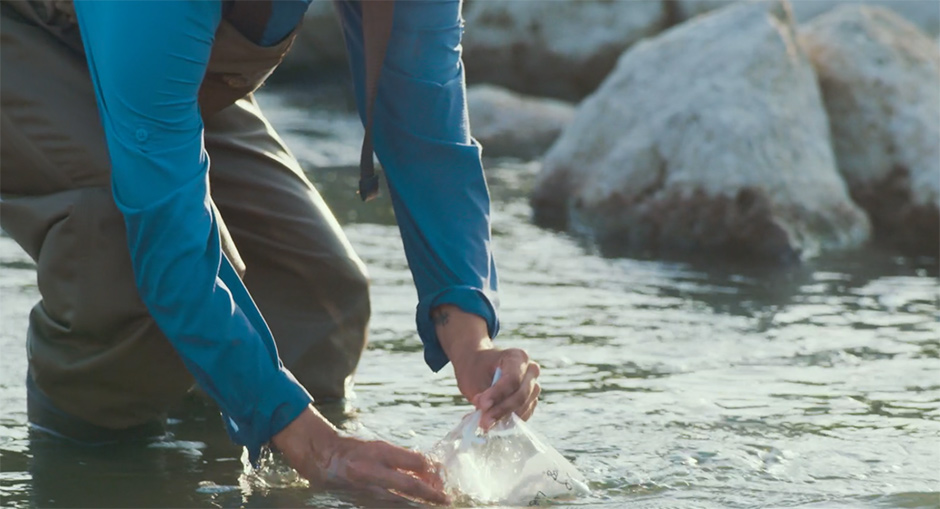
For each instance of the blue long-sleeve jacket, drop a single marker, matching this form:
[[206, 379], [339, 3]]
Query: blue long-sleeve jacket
[[147, 60]]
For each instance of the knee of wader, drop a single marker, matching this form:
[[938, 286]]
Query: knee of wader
[[93, 347], [356, 277], [324, 349], [355, 281], [342, 280], [77, 239], [84, 267]]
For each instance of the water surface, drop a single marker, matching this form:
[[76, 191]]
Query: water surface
[[668, 384]]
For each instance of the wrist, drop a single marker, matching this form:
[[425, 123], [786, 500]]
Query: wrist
[[461, 334], [309, 439]]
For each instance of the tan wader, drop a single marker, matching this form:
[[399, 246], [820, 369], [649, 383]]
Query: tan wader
[[93, 349]]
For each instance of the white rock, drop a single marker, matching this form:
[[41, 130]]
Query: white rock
[[561, 48], [685, 9], [880, 80], [923, 13], [709, 138], [509, 124]]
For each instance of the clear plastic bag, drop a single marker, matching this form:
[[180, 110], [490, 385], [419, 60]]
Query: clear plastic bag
[[510, 464]]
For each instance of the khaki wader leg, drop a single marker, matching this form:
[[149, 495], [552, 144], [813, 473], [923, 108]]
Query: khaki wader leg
[[304, 276], [93, 348]]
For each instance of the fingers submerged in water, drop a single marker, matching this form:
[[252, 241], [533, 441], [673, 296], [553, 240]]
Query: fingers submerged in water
[[388, 470]]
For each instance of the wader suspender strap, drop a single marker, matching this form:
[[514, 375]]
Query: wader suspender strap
[[377, 16]]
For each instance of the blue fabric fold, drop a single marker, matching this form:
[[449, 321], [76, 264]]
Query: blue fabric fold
[[433, 166], [146, 95], [147, 61]]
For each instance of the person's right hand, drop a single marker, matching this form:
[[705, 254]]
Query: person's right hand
[[314, 448]]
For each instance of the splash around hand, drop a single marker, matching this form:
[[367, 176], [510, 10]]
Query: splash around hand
[[318, 451]]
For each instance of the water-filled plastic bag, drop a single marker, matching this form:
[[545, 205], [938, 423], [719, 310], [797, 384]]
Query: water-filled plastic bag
[[510, 464]]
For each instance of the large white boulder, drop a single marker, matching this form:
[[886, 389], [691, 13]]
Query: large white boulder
[[710, 138], [880, 81], [561, 48], [923, 13], [683, 10], [513, 125]]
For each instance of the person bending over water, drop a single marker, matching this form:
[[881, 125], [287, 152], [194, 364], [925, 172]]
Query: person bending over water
[[177, 239]]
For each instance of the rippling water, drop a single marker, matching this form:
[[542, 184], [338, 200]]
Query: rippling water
[[667, 384]]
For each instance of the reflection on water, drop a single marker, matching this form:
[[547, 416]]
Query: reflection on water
[[667, 384]]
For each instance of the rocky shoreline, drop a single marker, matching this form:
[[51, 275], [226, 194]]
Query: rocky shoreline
[[768, 130]]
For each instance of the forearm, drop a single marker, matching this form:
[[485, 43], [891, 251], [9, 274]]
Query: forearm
[[159, 178], [307, 442], [461, 334], [196, 298], [434, 169]]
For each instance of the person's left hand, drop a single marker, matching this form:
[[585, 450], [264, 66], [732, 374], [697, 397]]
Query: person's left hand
[[467, 344]]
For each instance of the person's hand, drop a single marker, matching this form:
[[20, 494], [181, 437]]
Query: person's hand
[[314, 448], [516, 391], [468, 346]]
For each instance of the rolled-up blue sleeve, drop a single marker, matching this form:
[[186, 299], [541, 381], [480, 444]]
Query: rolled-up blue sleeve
[[147, 61], [434, 169]]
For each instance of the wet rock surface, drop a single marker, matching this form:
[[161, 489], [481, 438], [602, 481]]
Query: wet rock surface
[[721, 150], [880, 81], [562, 48], [923, 13], [683, 10], [513, 125]]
